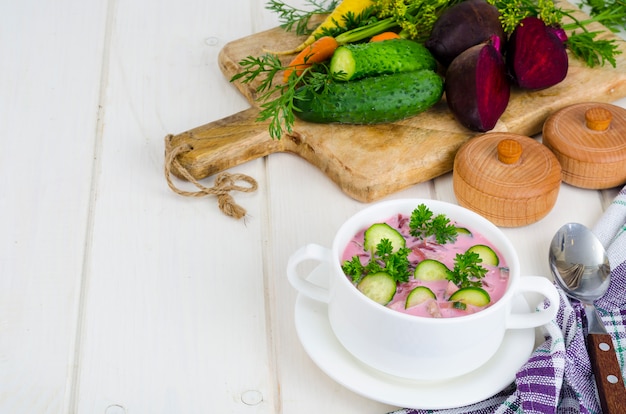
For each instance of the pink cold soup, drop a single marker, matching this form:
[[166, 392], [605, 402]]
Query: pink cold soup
[[494, 282]]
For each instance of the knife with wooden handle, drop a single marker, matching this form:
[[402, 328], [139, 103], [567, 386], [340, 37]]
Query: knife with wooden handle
[[606, 368]]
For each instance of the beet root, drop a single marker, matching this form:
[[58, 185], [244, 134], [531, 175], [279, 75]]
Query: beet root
[[477, 87], [462, 26], [536, 54]]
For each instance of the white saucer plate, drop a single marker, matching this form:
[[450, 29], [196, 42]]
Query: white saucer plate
[[319, 342]]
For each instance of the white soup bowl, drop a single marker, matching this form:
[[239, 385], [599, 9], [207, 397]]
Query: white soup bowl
[[409, 346]]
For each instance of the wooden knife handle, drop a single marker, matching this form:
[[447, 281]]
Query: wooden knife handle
[[607, 373], [222, 144]]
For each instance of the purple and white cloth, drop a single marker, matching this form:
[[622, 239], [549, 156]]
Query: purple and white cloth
[[558, 377]]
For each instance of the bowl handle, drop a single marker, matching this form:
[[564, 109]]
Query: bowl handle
[[543, 286], [300, 282]]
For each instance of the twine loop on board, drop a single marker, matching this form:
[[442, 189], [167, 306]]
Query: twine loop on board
[[223, 185]]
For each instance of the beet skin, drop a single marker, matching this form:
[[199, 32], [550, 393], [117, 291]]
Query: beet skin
[[536, 54], [462, 26], [477, 87]]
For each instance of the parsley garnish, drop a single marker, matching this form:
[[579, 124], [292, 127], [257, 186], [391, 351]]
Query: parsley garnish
[[425, 224], [384, 259], [467, 270], [354, 268]]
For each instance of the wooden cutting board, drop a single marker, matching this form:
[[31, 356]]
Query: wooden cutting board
[[373, 161]]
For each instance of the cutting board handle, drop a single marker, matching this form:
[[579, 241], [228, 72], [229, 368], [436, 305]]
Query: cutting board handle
[[213, 148], [220, 145]]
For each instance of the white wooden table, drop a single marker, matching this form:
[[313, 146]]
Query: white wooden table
[[119, 296]]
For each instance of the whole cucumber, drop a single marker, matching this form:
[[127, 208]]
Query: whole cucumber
[[384, 98], [360, 60]]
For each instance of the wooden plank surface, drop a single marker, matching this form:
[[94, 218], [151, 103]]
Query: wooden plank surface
[[174, 316], [372, 161], [118, 296], [50, 83]]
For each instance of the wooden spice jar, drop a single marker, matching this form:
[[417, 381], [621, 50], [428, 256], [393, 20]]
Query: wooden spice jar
[[510, 179], [589, 140]]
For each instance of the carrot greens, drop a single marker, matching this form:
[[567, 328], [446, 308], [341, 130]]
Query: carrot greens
[[616, 9]]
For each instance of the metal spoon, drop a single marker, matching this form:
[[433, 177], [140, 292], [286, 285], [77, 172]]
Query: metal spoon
[[581, 268]]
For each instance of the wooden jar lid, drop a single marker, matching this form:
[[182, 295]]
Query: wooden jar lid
[[510, 179], [589, 140]]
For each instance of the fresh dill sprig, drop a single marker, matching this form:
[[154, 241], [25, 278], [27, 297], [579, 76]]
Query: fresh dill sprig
[[292, 18], [278, 101], [265, 66], [415, 17], [512, 12]]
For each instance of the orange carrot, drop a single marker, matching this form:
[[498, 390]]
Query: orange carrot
[[385, 36], [319, 51]]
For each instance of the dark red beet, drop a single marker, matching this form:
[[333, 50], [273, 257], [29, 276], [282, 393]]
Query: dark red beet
[[462, 26], [536, 54], [477, 87]]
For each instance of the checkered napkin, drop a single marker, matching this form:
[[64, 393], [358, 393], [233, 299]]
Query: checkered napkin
[[558, 378]]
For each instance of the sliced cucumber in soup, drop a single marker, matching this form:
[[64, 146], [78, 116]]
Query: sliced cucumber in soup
[[471, 296], [418, 295], [463, 231], [430, 269], [486, 253], [380, 287], [379, 231]]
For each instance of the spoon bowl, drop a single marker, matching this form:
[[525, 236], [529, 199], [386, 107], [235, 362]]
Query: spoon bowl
[[579, 263], [580, 266]]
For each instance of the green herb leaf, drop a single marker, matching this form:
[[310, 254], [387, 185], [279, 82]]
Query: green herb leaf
[[467, 271], [593, 52], [512, 12], [414, 18], [612, 12], [292, 18], [396, 264], [354, 269], [277, 101], [423, 225]]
